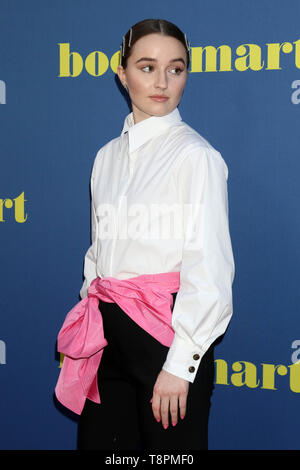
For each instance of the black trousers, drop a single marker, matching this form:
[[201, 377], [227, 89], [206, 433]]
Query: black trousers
[[128, 371]]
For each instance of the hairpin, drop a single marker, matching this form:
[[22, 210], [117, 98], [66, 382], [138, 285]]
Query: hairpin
[[122, 48], [188, 45], [130, 35], [123, 45]]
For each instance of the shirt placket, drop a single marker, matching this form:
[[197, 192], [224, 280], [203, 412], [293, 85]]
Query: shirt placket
[[121, 199]]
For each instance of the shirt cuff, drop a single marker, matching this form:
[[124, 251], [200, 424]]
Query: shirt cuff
[[183, 359]]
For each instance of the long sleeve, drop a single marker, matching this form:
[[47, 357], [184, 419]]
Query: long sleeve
[[90, 259], [203, 306]]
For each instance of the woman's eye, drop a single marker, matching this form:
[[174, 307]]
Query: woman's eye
[[147, 66], [178, 70]]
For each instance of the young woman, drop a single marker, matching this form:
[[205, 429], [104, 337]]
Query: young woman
[[157, 293]]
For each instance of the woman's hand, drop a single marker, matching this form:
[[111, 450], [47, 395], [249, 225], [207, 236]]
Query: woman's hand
[[169, 392]]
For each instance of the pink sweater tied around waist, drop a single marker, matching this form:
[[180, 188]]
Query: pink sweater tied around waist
[[146, 299]]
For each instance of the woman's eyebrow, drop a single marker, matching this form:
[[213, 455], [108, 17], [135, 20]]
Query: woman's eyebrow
[[179, 59]]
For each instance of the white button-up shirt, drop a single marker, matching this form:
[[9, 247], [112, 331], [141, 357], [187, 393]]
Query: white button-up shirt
[[160, 204]]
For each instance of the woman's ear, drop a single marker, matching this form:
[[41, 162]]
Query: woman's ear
[[121, 74]]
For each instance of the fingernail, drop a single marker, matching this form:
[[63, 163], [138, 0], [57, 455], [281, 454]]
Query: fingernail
[[158, 420], [182, 417], [173, 423], [165, 426]]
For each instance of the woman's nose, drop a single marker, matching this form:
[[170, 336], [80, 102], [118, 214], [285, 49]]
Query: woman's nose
[[161, 80]]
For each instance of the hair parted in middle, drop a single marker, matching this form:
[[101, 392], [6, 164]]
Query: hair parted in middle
[[150, 26]]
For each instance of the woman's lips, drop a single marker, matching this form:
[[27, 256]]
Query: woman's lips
[[159, 98]]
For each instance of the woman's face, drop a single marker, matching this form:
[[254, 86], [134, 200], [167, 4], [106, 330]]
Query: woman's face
[[156, 66]]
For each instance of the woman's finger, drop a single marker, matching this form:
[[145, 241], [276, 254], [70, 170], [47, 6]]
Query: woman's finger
[[156, 406], [182, 404], [174, 409], [164, 411]]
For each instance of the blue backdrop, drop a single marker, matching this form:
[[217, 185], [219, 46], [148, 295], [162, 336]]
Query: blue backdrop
[[54, 118]]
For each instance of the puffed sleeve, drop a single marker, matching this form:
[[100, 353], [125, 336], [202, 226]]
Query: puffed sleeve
[[90, 259], [203, 306]]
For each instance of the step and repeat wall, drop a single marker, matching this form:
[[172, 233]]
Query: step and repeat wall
[[60, 101]]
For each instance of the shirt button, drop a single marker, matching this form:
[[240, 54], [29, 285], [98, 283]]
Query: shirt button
[[191, 369], [196, 357]]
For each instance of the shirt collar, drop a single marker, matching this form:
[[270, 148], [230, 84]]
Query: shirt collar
[[144, 130]]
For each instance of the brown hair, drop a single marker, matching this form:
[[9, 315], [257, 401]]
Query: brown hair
[[150, 26]]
